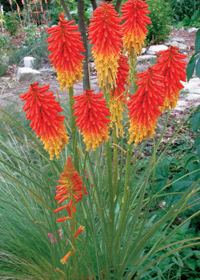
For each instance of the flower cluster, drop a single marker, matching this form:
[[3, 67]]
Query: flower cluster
[[92, 113], [105, 34], [134, 28], [42, 110], [70, 189], [118, 94], [144, 106], [171, 66], [65, 47]]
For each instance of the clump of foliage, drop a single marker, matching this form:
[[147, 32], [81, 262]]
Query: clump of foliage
[[37, 49], [194, 63], [159, 30], [3, 68], [183, 9], [12, 23]]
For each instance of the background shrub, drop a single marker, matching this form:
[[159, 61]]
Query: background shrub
[[12, 23], [161, 20]]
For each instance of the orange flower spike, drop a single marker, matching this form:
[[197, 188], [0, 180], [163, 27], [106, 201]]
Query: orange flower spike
[[172, 67], [105, 34], [91, 112], [71, 188], [134, 28], [80, 229], [144, 106], [63, 261], [42, 110], [65, 46], [117, 95]]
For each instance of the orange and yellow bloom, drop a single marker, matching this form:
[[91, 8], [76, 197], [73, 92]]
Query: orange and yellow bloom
[[92, 113], [144, 106], [171, 66], [43, 112], [63, 261], [80, 229], [135, 26], [70, 189], [65, 46], [105, 34], [118, 94]]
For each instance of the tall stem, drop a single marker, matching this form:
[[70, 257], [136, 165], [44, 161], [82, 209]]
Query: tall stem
[[111, 203], [115, 160], [73, 233], [74, 129], [125, 196]]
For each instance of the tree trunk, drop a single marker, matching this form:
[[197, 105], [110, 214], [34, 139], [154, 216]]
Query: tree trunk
[[94, 4], [118, 4], [81, 21], [67, 13]]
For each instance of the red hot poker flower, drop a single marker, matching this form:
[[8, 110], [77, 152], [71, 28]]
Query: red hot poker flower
[[42, 110], [144, 106], [91, 112], [70, 188], [171, 66], [118, 94], [65, 46], [105, 34], [134, 28]]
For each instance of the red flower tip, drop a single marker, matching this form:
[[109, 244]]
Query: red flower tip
[[42, 110], [134, 28], [92, 113], [80, 229], [171, 66], [65, 46], [144, 106]]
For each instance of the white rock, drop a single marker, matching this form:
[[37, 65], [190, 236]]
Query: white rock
[[26, 73], [192, 97], [193, 29], [193, 86], [181, 105], [29, 61], [143, 50], [178, 39], [178, 45], [146, 57], [156, 48]]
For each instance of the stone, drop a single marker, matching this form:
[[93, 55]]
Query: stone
[[143, 50], [156, 48], [193, 86], [182, 47], [29, 61], [178, 39], [92, 64], [193, 29], [27, 74], [192, 97], [146, 57], [181, 105]]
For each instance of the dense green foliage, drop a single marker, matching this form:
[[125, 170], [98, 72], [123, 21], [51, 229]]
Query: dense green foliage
[[12, 23], [194, 63], [159, 30]]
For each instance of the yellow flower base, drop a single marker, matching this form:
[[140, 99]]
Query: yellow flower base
[[139, 133], [132, 42], [116, 110], [54, 146], [68, 79], [170, 104], [95, 140], [106, 69]]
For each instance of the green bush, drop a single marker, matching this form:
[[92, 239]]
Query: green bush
[[181, 9], [159, 30], [12, 23], [37, 49], [3, 68]]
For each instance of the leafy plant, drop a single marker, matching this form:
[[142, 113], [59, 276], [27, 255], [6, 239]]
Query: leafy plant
[[159, 30], [194, 63], [12, 23]]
